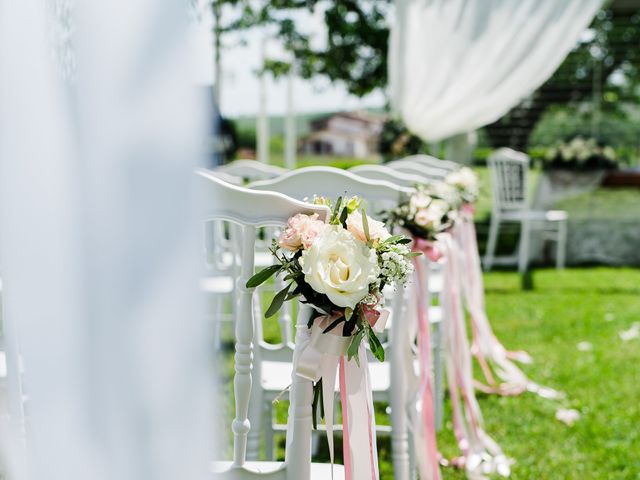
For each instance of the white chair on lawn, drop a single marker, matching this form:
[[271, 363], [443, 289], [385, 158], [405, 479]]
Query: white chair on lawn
[[251, 170], [251, 209], [219, 282], [389, 379], [433, 162], [411, 167], [382, 172], [509, 175]]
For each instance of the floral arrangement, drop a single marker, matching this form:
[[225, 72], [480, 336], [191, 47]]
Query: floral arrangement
[[429, 211], [339, 268], [581, 154], [466, 182]]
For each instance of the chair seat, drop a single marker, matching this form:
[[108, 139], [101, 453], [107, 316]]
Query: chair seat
[[276, 376], [535, 215], [218, 284], [274, 470]]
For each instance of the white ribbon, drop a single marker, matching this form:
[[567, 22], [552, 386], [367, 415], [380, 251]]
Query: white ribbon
[[320, 357]]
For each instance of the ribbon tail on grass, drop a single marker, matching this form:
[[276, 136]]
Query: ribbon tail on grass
[[481, 455], [501, 374], [425, 444]]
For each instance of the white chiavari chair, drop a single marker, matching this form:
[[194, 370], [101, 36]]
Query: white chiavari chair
[[249, 210], [433, 162], [411, 167], [389, 379], [509, 176], [251, 170], [239, 172], [382, 172]]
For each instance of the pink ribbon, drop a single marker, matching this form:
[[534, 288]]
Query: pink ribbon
[[480, 453], [426, 441], [493, 357]]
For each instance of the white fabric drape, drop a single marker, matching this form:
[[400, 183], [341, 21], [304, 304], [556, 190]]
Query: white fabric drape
[[457, 65], [99, 243]]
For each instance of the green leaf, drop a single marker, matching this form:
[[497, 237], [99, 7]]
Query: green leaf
[[352, 351], [375, 345], [365, 225], [333, 324], [263, 275], [404, 240], [393, 239], [317, 395], [343, 217], [413, 254], [277, 302], [336, 210]]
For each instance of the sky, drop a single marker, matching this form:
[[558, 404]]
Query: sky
[[240, 84]]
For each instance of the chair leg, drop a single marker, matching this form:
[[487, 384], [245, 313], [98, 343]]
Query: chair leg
[[256, 399], [523, 249], [400, 431], [491, 242], [561, 245]]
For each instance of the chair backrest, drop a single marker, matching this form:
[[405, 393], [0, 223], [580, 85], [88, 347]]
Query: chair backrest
[[250, 209], [412, 167], [384, 173], [509, 176], [332, 182], [433, 162], [251, 170]]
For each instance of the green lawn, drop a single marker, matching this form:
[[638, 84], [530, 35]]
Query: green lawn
[[565, 308]]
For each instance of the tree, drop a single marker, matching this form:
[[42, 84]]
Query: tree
[[355, 49], [355, 46]]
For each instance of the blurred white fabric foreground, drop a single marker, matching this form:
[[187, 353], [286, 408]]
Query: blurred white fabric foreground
[[457, 65], [99, 243]]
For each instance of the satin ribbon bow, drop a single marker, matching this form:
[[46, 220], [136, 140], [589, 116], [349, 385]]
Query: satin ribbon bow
[[321, 357]]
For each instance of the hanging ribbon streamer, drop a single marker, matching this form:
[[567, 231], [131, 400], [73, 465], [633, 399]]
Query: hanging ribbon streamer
[[492, 356], [320, 356], [481, 455], [425, 432]]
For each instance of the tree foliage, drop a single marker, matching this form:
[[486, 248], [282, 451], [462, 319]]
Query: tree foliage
[[354, 50]]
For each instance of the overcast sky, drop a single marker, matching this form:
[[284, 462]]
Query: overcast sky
[[240, 84]]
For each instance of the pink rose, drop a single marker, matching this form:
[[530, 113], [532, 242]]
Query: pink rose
[[300, 232], [377, 230]]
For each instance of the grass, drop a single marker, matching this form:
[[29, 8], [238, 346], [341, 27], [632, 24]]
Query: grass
[[565, 308]]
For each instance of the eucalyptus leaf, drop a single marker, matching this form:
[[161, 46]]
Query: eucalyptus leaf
[[336, 210], [277, 302], [263, 275], [333, 324], [375, 345], [343, 217], [352, 351]]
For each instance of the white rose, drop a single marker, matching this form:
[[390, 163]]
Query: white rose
[[445, 191], [431, 217], [377, 230], [340, 266], [419, 201]]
